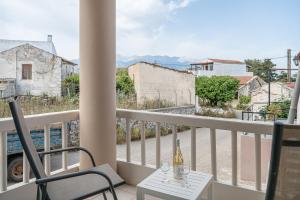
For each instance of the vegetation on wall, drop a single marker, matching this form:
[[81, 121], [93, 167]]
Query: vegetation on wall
[[216, 90], [244, 102], [71, 84], [279, 110], [123, 82]]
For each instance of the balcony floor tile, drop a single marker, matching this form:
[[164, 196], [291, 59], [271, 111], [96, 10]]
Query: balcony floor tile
[[124, 192]]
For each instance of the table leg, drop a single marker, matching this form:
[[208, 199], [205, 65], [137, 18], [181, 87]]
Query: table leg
[[139, 194], [209, 192]]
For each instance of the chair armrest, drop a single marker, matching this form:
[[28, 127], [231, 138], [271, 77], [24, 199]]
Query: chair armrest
[[45, 180], [41, 154]]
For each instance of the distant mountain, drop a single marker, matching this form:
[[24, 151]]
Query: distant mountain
[[167, 61], [173, 62]]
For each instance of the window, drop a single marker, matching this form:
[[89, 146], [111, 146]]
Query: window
[[26, 71]]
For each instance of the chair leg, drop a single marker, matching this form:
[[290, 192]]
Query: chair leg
[[104, 196], [114, 193], [38, 193]]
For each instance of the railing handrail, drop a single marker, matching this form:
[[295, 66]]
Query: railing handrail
[[198, 121], [39, 120], [179, 119]]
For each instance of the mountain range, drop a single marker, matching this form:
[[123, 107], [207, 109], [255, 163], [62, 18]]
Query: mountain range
[[167, 61]]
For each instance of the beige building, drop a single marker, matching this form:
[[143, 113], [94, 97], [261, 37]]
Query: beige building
[[153, 82]]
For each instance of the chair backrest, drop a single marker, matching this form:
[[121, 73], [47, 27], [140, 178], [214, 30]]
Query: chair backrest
[[26, 140], [284, 174]]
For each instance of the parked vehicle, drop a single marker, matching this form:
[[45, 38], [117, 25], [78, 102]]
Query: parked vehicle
[[15, 150]]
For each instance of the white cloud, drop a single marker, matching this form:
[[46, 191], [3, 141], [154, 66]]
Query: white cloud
[[141, 23], [35, 19]]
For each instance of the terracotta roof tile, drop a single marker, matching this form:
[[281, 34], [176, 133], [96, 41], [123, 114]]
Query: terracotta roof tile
[[243, 79]]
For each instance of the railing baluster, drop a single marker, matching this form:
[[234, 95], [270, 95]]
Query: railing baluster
[[174, 134], [3, 161], [234, 156], [143, 145], [157, 145], [26, 169], [213, 153], [258, 161], [64, 141], [193, 148], [47, 158], [128, 141]]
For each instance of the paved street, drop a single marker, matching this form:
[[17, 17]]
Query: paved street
[[202, 153], [203, 150]]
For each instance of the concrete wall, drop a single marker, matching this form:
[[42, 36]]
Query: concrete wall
[[221, 69], [46, 70], [66, 70], [154, 82]]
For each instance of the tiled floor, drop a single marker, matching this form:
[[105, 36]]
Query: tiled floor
[[124, 192]]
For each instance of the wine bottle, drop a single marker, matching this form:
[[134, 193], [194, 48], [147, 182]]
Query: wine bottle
[[178, 162]]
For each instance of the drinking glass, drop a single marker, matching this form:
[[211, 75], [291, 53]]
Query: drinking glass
[[185, 175], [165, 167]]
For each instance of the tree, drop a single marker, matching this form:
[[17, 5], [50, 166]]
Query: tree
[[262, 68], [71, 83], [282, 77], [216, 89], [124, 84]]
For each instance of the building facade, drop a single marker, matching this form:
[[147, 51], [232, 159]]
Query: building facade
[[154, 82], [34, 67], [220, 67], [248, 86], [279, 91]]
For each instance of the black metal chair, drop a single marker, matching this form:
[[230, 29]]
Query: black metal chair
[[77, 185], [284, 173]]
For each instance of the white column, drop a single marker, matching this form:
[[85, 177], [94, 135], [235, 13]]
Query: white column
[[97, 81]]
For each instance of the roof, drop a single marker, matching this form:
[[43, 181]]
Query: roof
[[44, 45], [213, 60], [243, 79], [157, 65], [290, 84], [63, 59]]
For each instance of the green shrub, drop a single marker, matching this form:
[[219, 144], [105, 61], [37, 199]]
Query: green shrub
[[243, 102], [123, 82], [216, 90]]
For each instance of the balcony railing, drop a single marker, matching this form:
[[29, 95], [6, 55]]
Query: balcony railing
[[35, 122], [213, 124]]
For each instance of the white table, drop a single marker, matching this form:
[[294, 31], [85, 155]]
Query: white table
[[174, 189]]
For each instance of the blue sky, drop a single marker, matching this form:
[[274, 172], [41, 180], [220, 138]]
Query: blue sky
[[191, 29]]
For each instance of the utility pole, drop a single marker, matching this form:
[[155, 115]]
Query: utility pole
[[289, 62], [269, 72]]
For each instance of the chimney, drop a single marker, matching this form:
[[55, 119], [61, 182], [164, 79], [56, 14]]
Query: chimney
[[49, 38]]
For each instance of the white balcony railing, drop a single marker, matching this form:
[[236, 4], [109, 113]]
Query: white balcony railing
[[234, 126], [35, 122]]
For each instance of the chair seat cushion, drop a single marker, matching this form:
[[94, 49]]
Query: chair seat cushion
[[75, 187]]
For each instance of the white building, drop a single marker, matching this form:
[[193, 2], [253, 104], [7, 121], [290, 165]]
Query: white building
[[220, 67], [33, 66]]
